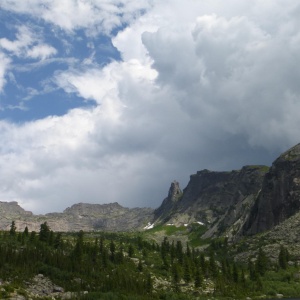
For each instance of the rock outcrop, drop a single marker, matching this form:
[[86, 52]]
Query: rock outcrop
[[279, 198], [169, 203], [220, 200]]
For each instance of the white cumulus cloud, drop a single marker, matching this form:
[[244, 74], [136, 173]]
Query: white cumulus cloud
[[206, 84]]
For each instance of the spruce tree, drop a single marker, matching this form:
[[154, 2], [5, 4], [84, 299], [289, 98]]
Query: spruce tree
[[13, 228], [26, 232], [186, 272], [261, 262], [130, 251], [198, 278], [283, 258], [235, 273], [44, 232]]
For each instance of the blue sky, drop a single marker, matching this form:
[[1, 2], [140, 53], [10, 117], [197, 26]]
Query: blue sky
[[111, 100], [30, 93]]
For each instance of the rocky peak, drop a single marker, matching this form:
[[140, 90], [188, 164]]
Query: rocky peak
[[174, 191], [279, 198], [164, 211]]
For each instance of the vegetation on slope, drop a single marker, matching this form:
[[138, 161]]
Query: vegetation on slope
[[133, 266]]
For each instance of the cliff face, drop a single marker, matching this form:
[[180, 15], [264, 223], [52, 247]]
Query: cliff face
[[220, 200], [279, 198]]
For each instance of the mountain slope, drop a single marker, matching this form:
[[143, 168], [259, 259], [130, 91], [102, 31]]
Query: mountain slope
[[220, 200]]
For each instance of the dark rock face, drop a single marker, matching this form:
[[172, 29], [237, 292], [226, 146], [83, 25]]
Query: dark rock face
[[217, 199], [279, 198]]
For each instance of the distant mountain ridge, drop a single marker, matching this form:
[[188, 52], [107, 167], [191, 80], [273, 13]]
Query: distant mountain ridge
[[235, 203], [81, 216]]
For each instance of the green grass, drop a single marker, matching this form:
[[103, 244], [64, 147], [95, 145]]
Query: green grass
[[168, 229], [195, 236], [262, 168]]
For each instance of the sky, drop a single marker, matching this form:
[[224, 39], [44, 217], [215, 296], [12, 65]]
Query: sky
[[111, 100]]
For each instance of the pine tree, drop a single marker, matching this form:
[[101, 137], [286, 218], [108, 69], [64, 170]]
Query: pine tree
[[235, 273], [179, 252], [198, 278], [101, 246], [283, 258], [188, 250], [252, 270], [44, 232], [186, 272], [212, 264], [32, 236], [140, 266], [13, 228], [261, 262], [175, 277], [149, 284], [130, 251], [57, 241], [112, 248], [26, 232]]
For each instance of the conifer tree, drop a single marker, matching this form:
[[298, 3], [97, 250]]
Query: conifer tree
[[101, 246], [198, 278], [179, 252], [188, 250], [175, 277], [149, 284], [212, 264], [26, 232], [252, 270], [235, 273], [261, 262], [13, 228], [32, 236], [186, 272], [283, 258], [140, 266], [130, 251], [44, 232], [112, 248], [57, 241]]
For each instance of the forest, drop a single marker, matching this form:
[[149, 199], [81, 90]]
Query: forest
[[106, 265]]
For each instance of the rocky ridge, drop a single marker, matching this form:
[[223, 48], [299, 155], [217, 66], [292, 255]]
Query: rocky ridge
[[220, 200], [81, 216]]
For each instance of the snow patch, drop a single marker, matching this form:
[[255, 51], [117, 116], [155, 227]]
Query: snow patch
[[185, 225], [149, 226], [170, 224], [200, 223]]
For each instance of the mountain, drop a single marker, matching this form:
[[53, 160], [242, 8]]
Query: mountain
[[234, 203], [81, 216], [219, 200]]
